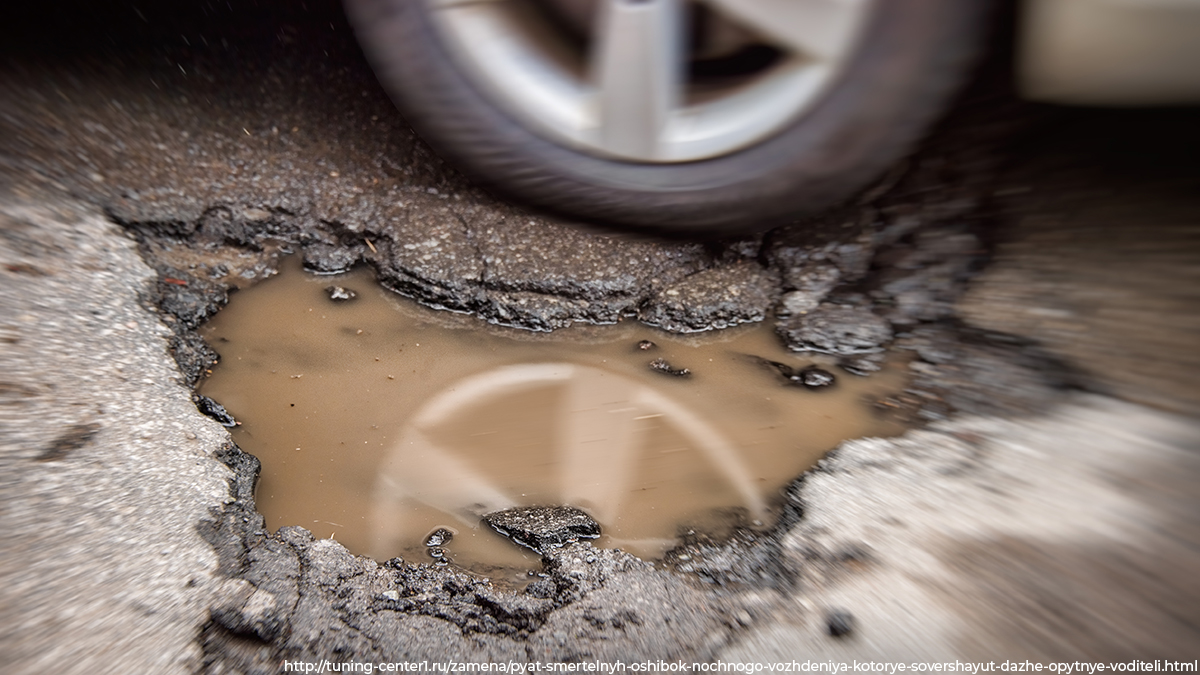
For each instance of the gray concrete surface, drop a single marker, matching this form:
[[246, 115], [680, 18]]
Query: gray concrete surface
[[106, 464], [1072, 536]]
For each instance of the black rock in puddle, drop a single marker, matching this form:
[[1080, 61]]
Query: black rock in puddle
[[439, 537], [815, 378], [437, 552], [214, 410], [809, 377], [542, 528], [662, 366], [646, 345], [340, 294]]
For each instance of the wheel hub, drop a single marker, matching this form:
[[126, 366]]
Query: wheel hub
[[652, 81]]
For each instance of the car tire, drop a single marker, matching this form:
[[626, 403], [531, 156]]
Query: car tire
[[910, 58]]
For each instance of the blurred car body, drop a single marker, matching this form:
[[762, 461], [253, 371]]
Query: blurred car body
[[1110, 52]]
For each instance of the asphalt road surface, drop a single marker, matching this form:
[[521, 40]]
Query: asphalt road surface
[[1041, 266]]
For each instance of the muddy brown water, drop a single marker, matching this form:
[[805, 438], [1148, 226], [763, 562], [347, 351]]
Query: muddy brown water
[[378, 421]]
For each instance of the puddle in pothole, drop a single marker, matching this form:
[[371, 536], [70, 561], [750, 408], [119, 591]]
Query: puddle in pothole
[[378, 421]]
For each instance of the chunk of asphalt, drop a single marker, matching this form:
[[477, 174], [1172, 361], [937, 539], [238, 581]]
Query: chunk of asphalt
[[439, 537], [663, 366], [542, 528], [815, 378], [811, 284], [836, 329], [340, 293], [715, 298], [214, 410]]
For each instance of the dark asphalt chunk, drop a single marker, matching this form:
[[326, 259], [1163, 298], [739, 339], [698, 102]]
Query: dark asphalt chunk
[[665, 367], [323, 257], [542, 528], [439, 537], [192, 354], [836, 329], [816, 378], [340, 294], [188, 298], [715, 298], [812, 284], [214, 410]]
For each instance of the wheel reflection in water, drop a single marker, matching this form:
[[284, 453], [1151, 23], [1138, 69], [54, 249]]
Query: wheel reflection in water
[[601, 428]]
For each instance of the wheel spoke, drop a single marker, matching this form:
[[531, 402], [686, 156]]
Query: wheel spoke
[[599, 442], [419, 469], [709, 442], [821, 29], [638, 68]]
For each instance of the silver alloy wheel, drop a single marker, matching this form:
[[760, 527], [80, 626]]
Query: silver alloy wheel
[[628, 95]]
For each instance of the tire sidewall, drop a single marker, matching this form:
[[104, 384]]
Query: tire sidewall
[[909, 59]]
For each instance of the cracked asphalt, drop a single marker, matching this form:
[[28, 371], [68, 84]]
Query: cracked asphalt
[[1040, 266]]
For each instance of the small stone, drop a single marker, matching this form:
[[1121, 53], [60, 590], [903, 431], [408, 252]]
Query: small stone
[[815, 378], [662, 366], [437, 552], [392, 595], [214, 410], [646, 345], [439, 537], [840, 623], [340, 294], [542, 528]]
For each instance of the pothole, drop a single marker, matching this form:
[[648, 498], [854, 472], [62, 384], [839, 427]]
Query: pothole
[[379, 422], [858, 287]]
